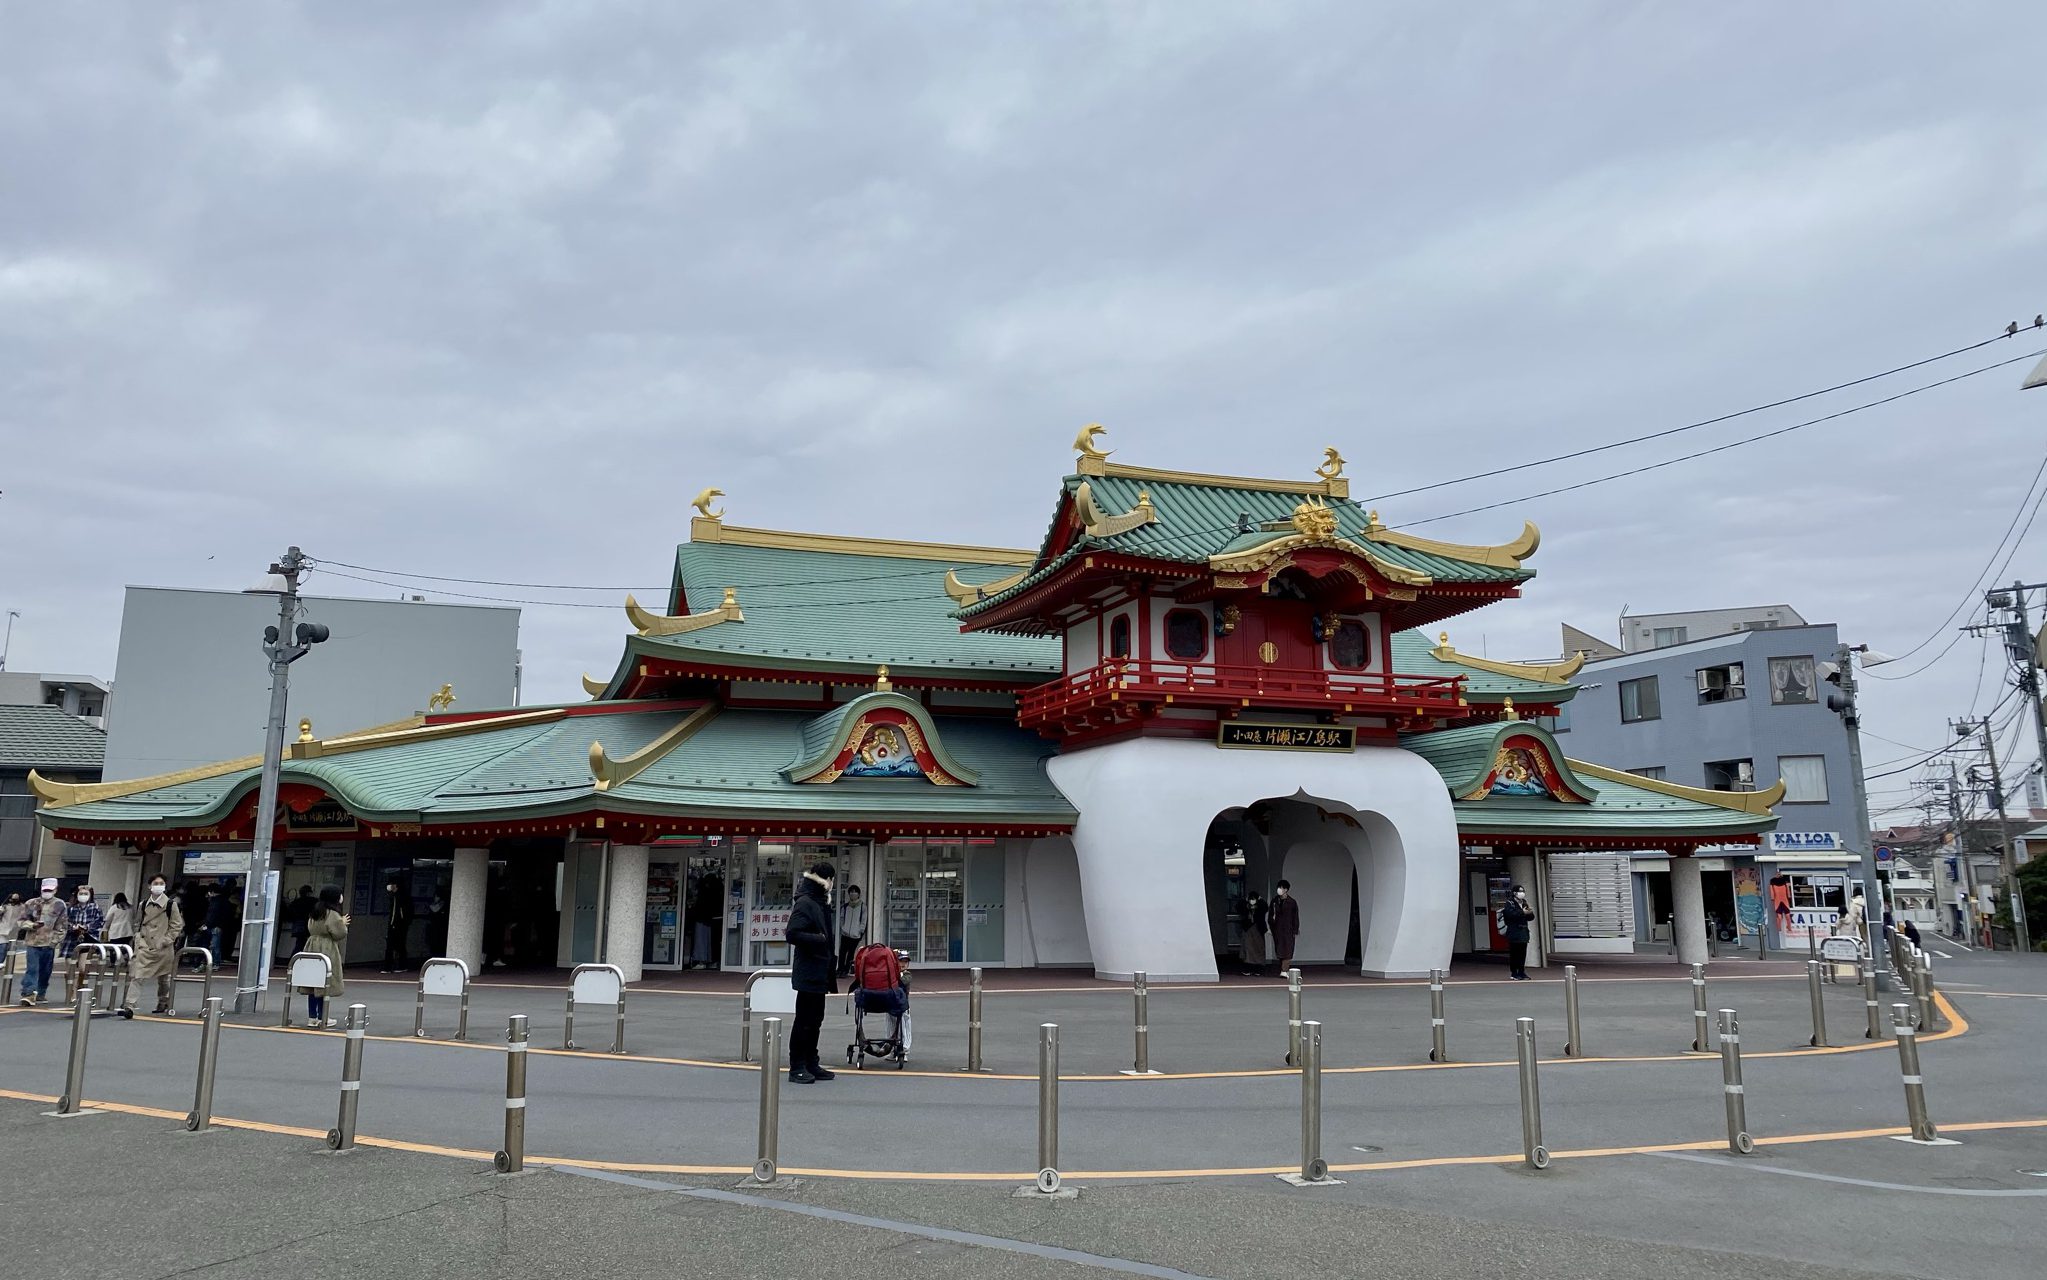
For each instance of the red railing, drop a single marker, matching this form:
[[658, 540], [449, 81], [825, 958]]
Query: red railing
[[1205, 684]]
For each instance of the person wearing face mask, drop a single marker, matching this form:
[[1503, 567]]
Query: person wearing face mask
[[87, 921], [10, 914], [1515, 918], [159, 923], [1286, 925], [327, 934], [40, 931]]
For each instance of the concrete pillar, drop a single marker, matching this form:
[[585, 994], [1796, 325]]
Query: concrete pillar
[[1521, 870], [113, 870], [466, 894], [1688, 910], [625, 916]]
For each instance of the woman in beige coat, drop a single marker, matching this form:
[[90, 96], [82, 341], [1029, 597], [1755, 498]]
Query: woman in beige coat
[[327, 934], [158, 924]]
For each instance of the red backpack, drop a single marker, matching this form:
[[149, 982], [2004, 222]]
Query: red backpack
[[876, 968]]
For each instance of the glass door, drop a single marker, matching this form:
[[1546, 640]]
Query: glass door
[[663, 948]]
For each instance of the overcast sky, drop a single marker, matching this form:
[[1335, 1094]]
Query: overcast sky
[[492, 292]]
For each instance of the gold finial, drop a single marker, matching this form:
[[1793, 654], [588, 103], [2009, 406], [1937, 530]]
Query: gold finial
[[703, 504], [881, 684], [306, 729], [1507, 711], [443, 700], [1332, 464], [731, 600], [1084, 443], [1372, 520]]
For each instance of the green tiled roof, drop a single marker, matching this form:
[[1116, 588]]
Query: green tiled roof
[[1414, 655], [815, 610], [50, 738]]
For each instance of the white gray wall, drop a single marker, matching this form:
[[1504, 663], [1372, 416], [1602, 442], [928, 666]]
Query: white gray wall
[[195, 687]]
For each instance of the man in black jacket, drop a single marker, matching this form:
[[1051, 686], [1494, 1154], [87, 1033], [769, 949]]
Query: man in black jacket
[[1517, 915], [811, 971]]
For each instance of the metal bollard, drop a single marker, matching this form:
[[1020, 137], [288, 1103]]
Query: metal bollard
[[1701, 1037], [201, 1117], [1048, 1107], [1439, 1047], [74, 1069], [1819, 1007], [342, 1136], [1140, 990], [1865, 977], [1534, 1154], [1313, 1167], [768, 1147], [1738, 1140], [1925, 991], [1812, 945], [1908, 1067], [1574, 1046], [1293, 1017], [512, 1159], [974, 1021]]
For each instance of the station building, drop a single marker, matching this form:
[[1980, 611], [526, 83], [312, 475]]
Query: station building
[[1079, 754]]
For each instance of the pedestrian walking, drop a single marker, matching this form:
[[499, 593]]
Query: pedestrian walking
[[158, 924], [121, 921], [1911, 932], [811, 971], [39, 931], [1285, 923], [193, 907], [10, 915], [1515, 918], [437, 924], [1255, 919], [398, 930], [852, 928], [327, 935], [219, 933], [87, 921]]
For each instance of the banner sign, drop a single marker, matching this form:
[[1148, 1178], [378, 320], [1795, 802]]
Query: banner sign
[[767, 926], [1286, 737]]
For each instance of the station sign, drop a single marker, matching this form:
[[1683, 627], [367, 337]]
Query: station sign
[[1246, 736]]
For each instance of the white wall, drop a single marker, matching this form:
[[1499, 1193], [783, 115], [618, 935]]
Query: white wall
[[1083, 644], [195, 687], [1046, 923]]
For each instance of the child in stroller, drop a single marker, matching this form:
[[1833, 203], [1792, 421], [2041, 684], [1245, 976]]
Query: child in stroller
[[881, 985]]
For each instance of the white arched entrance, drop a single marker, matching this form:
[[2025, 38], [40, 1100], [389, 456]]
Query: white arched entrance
[[1145, 808]]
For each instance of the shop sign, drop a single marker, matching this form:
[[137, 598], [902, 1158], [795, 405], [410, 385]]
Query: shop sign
[[319, 816], [1806, 842], [767, 926], [1286, 737]]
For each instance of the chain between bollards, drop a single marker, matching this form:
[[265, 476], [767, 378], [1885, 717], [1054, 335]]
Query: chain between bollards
[[512, 1157], [1738, 1139], [974, 1020], [74, 1068], [342, 1136], [1908, 1068], [1819, 1006], [200, 1118], [1702, 1041], [1574, 1044], [1865, 977], [1293, 1017], [1048, 1107], [768, 1146], [1439, 1045], [1533, 1153]]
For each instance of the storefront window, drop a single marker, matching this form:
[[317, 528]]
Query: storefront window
[[774, 893], [903, 869], [944, 903]]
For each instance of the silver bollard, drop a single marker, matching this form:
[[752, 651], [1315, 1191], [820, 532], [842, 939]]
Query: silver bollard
[[74, 1069], [1925, 991], [1908, 1068], [1140, 990], [201, 1117], [1293, 1017], [1701, 1037], [342, 1136], [512, 1158], [1812, 945], [1314, 1169], [768, 1146], [1439, 1043], [1738, 1140], [1819, 1007], [1533, 1153], [974, 1021], [1865, 977], [1048, 1107], [1574, 1046]]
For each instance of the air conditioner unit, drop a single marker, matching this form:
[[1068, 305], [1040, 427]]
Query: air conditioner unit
[[1744, 774], [1712, 680], [1734, 677]]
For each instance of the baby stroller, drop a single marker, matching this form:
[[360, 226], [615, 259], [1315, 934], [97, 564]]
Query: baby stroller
[[881, 985]]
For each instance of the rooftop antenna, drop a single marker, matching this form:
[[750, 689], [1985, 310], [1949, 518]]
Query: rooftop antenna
[[8, 644]]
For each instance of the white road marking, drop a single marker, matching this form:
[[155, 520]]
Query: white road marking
[[1748, 1167]]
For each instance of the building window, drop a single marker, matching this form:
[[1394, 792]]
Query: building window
[[1639, 700], [1792, 682], [1731, 775], [1661, 636], [1722, 684], [1119, 636], [1351, 646], [1186, 634], [1805, 779], [1653, 772]]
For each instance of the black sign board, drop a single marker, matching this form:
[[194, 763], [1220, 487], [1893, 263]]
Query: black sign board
[[321, 815], [1286, 737]]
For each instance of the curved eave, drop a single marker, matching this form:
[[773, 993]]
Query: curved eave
[[849, 716], [1558, 674], [1761, 803]]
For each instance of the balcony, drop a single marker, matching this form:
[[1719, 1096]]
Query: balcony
[[1121, 689]]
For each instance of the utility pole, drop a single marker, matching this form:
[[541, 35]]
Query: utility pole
[[2015, 906], [1960, 823], [283, 646], [1843, 704]]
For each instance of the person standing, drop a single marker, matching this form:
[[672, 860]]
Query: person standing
[[397, 929], [87, 921], [811, 971], [1515, 918], [1255, 917], [158, 924], [1286, 924], [194, 895], [40, 930], [327, 935], [218, 932], [852, 928], [10, 915], [437, 923], [121, 921]]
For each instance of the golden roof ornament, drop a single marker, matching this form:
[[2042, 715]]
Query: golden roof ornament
[[881, 682], [306, 729], [1332, 464], [1507, 711], [1092, 455], [1314, 519], [702, 503], [443, 700]]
